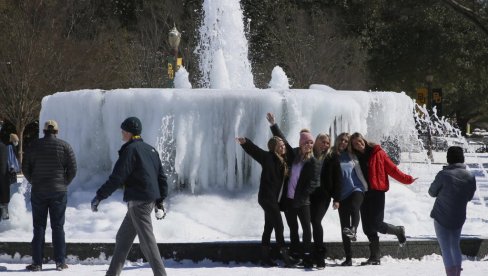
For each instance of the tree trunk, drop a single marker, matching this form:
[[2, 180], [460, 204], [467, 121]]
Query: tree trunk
[[20, 130]]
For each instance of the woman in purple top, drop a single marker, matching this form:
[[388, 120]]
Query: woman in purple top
[[304, 178]]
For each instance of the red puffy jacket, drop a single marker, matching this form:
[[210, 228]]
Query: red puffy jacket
[[380, 167]]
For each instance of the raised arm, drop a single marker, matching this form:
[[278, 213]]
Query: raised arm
[[276, 131], [250, 148]]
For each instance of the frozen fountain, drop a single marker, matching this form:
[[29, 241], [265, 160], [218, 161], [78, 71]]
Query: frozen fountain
[[194, 131]]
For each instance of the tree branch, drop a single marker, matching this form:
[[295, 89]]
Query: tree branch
[[469, 14]]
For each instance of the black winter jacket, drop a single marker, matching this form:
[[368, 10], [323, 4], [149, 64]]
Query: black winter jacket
[[3, 166], [272, 175], [49, 164], [139, 171], [330, 178], [308, 180]]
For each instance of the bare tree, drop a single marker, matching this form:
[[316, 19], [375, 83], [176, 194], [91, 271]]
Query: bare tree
[[26, 69]]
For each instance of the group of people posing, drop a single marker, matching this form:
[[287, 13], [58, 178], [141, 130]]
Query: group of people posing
[[302, 182], [353, 174]]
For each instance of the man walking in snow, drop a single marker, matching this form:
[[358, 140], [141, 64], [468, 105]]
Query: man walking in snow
[[50, 166], [140, 172]]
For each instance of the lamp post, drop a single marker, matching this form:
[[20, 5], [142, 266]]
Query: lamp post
[[429, 79], [174, 38]]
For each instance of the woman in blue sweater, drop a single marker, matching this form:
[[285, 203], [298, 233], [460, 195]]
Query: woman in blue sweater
[[351, 197]]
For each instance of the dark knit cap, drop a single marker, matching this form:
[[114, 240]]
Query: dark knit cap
[[132, 125], [455, 154]]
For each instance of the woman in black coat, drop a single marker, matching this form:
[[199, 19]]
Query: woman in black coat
[[304, 178], [271, 189]]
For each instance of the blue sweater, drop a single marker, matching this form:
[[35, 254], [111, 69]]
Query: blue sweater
[[350, 180], [453, 187]]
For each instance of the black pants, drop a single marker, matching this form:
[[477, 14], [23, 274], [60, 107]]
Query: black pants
[[303, 214], [5, 191], [349, 216], [372, 214], [318, 208], [272, 220]]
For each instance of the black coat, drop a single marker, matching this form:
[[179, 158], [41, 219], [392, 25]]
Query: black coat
[[308, 180], [272, 175], [330, 179], [4, 180], [49, 164], [139, 171]]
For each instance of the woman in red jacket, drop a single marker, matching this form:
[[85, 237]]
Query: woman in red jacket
[[376, 167]]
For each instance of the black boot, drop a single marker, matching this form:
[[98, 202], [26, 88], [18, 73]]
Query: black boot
[[398, 231], [320, 258], [266, 257], [307, 260], [347, 262], [289, 261], [374, 254], [4, 211]]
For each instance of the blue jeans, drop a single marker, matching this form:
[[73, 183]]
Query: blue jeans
[[55, 204], [449, 240]]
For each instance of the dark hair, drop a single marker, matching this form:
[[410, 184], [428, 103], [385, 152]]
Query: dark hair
[[357, 135], [455, 154]]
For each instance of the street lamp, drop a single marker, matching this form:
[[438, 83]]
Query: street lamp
[[429, 79], [174, 39]]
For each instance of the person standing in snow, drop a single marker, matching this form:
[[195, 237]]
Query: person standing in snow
[[140, 172], [351, 197], [376, 166], [304, 179], [49, 165], [274, 175], [453, 188], [4, 182], [12, 170], [320, 199]]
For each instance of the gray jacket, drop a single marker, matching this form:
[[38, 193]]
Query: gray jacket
[[453, 187]]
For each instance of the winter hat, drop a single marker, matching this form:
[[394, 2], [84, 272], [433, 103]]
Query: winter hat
[[14, 137], [51, 124], [455, 154], [305, 136], [132, 125]]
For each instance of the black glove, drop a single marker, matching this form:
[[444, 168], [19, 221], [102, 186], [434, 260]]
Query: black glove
[[159, 209], [159, 204], [94, 204]]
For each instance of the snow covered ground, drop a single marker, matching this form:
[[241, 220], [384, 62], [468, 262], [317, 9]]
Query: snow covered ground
[[217, 218], [428, 266]]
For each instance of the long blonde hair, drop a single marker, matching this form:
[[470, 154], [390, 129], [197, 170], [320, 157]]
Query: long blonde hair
[[316, 153], [272, 143], [335, 148]]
